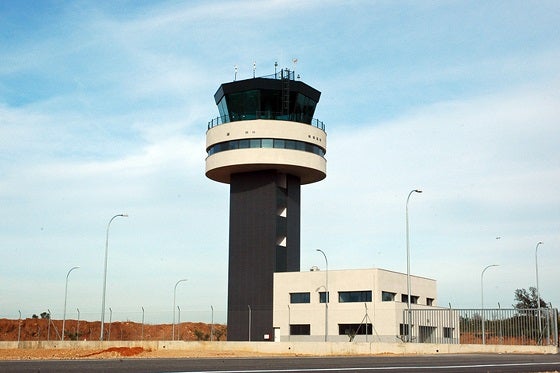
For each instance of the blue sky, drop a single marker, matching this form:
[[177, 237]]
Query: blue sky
[[104, 107]]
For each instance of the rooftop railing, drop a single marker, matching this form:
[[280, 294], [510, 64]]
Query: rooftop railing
[[300, 118], [282, 74]]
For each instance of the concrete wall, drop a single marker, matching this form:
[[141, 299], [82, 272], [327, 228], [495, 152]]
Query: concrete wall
[[290, 348]]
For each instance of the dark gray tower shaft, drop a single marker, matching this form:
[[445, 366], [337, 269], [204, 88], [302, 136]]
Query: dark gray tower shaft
[[256, 249]]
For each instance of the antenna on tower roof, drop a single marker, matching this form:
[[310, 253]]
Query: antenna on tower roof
[[235, 74], [295, 63], [254, 68]]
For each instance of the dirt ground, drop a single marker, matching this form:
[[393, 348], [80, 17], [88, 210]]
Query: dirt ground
[[110, 353], [37, 329]]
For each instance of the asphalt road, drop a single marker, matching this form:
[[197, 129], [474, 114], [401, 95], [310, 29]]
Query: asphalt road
[[433, 363]]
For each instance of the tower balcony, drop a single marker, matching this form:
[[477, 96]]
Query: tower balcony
[[265, 144]]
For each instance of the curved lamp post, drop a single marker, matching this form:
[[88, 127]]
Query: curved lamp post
[[105, 274], [174, 297], [482, 298], [65, 296], [326, 295], [408, 267], [538, 293]]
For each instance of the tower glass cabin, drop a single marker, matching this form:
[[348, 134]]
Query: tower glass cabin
[[265, 144]]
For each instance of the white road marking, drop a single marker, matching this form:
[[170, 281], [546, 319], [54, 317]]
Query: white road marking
[[405, 368]]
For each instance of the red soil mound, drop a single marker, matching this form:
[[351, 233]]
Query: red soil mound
[[46, 329], [121, 351]]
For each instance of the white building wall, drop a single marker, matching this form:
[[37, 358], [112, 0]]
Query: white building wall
[[385, 316]]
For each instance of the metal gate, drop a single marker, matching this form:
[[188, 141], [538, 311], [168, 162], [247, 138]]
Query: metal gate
[[477, 326]]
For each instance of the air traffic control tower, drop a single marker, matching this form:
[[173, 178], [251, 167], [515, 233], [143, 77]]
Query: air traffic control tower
[[265, 144]]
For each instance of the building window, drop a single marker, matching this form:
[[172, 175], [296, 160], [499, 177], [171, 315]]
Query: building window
[[387, 296], [243, 143], [300, 329], [322, 297], [429, 301], [300, 298], [403, 329], [447, 332], [354, 296], [354, 329], [255, 143], [413, 299], [279, 143], [266, 143]]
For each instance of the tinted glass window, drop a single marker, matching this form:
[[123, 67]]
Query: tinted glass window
[[300, 298], [300, 329], [243, 144], [266, 143], [354, 296], [387, 296], [354, 329], [243, 105], [290, 144], [279, 143]]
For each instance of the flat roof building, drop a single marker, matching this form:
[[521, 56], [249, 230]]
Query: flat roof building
[[364, 305]]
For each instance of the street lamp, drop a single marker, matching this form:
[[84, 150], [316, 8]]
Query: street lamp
[[326, 295], [538, 293], [250, 314], [174, 297], [65, 296], [179, 322], [482, 298], [110, 323], [142, 323], [105, 274], [408, 267], [78, 325], [212, 324], [19, 327], [326, 308]]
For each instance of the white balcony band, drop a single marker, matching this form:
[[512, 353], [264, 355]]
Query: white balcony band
[[308, 166]]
